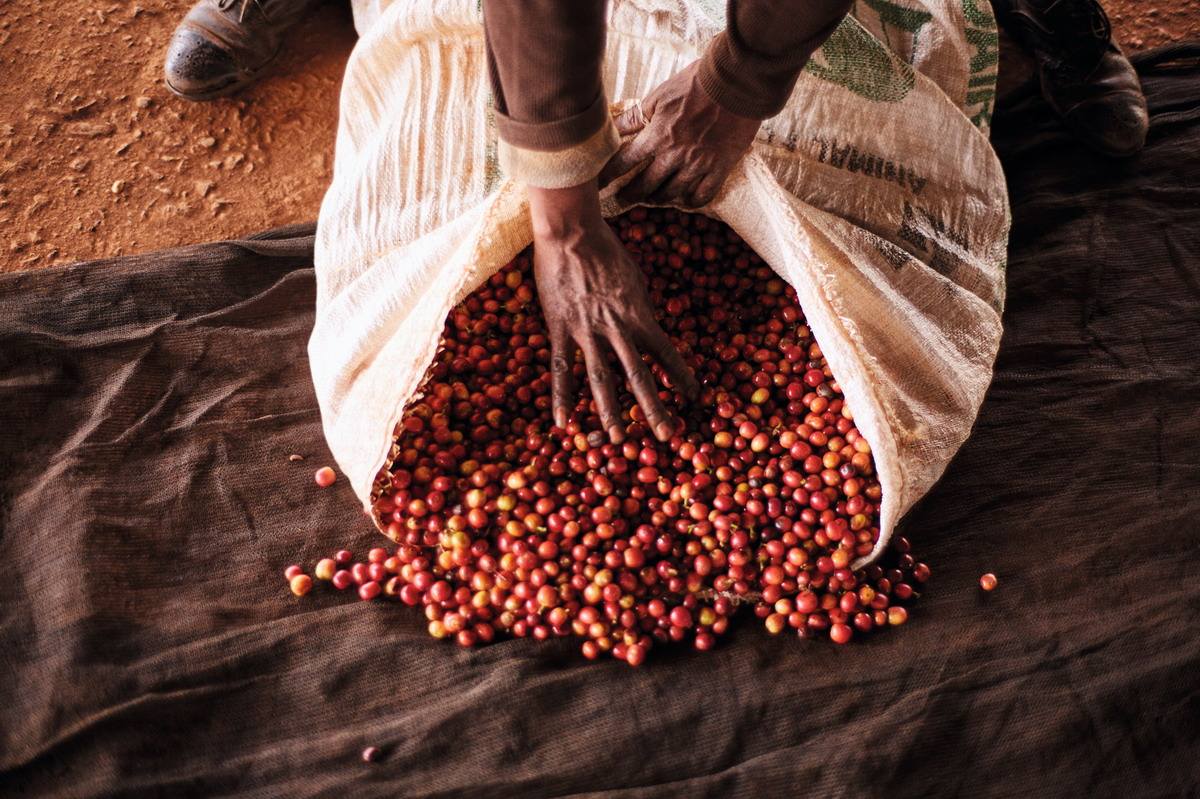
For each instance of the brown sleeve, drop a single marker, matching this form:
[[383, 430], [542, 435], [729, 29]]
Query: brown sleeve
[[544, 62], [751, 68]]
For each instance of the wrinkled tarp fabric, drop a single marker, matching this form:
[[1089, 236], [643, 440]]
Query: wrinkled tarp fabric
[[148, 645]]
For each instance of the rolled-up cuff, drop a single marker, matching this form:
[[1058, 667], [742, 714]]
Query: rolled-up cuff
[[561, 168], [558, 134]]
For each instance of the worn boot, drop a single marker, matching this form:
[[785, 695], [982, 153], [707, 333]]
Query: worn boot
[[224, 45], [1084, 75]]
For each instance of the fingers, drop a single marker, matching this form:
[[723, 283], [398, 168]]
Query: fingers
[[631, 120], [603, 390], [706, 191], [655, 340], [647, 182], [644, 388], [561, 355], [633, 155], [676, 190]]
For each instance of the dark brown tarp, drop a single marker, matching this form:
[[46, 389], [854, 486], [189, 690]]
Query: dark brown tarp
[[148, 646]]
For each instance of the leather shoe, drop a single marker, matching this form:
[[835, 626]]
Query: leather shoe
[[1084, 76], [224, 45]]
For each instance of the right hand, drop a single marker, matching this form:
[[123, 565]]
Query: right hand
[[684, 146], [592, 293]]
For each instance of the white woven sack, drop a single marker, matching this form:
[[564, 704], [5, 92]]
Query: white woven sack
[[875, 194]]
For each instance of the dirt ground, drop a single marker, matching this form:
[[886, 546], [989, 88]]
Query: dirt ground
[[98, 159]]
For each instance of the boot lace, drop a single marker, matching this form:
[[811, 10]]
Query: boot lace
[[1073, 35], [1083, 16], [244, 6]]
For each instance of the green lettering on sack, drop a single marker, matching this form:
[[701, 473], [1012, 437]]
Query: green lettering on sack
[[908, 21], [975, 16], [980, 33], [855, 60], [987, 49]]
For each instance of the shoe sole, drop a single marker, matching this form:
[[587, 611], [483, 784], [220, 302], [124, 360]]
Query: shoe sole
[[210, 94]]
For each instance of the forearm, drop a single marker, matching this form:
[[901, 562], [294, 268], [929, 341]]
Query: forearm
[[544, 62], [751, 68]]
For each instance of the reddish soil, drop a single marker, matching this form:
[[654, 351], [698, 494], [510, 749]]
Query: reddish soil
[[98, 159]]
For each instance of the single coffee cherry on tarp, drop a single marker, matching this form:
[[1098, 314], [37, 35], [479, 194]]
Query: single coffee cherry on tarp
[[841, 633], [325, 569]]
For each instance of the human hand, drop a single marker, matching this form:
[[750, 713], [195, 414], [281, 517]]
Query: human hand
[[591, 292], [685, 145]]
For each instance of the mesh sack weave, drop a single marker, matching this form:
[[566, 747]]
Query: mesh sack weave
[[875, 194]]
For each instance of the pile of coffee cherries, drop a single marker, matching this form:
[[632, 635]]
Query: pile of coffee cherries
[[764, 496]]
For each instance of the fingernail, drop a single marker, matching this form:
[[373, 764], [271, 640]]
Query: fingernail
[[664, 431], [616, 435]]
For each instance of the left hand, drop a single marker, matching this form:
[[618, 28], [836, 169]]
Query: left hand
[[685, 145]]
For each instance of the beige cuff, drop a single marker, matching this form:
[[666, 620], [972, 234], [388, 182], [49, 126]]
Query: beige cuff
[[559, 169]]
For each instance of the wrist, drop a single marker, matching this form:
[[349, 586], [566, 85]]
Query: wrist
[[557, 213]]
